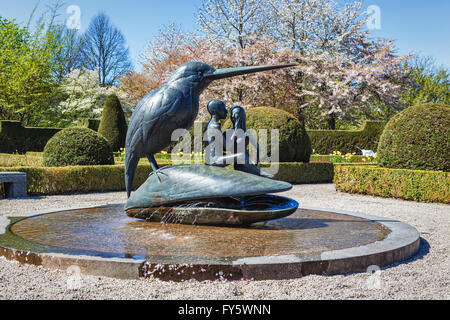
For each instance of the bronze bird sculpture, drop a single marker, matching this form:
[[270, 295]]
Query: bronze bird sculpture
[[173, 106]]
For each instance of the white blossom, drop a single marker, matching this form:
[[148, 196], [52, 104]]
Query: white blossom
[[85, 98]]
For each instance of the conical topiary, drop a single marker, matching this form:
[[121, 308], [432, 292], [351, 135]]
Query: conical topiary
[[112, 124]]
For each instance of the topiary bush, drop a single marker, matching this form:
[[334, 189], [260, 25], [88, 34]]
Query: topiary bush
[[77, 146], [418, 139], [113, 125], [295, 145]]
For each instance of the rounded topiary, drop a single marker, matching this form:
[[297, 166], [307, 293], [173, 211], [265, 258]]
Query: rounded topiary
[[112, 124], [77, 146], [417, 138], [295, 145]]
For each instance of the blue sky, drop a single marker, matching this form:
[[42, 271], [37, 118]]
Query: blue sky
[[416, 25]]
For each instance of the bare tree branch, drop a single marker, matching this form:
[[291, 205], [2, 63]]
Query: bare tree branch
[[104, 50]]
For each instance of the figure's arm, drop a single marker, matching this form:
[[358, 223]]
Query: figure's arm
[[255, 143]]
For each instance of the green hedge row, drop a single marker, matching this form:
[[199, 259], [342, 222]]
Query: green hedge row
[[14, 138], [426, 186], [303, 173], [82, 179], [92, 124], [354, 159], [327, 141], [78, 179]]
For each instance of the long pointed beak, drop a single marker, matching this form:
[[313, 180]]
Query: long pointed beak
[[233, 72]]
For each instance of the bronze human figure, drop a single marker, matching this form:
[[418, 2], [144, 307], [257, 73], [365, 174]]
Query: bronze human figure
[[230, 147], [240, 140], [214, 155]]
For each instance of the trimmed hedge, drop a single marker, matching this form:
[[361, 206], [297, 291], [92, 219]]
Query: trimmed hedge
[[14, 138], [418, 138], [79, 179], [113, 125], [303, 173], [295, 145], [426, 186], [82, 179], [92, 124], [347, 141], [354, 159], [77, 146]]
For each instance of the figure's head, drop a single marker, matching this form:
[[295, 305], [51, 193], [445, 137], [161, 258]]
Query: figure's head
[[239, 118], [217, 108]]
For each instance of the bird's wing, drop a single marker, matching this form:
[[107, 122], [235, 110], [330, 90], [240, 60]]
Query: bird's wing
[[135, 132], [163, 106]]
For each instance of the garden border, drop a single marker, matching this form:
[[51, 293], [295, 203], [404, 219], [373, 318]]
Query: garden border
[[82, 179], [417, 185]]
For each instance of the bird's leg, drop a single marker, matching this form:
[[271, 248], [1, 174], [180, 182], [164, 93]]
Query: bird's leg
[[153, 162], [154, 165]]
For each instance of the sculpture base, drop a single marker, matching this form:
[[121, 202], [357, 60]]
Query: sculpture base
[[222, 211]]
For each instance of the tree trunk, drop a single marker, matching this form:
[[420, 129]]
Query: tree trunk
[[331, 122]]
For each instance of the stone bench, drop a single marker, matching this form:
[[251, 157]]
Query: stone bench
[[15, 184]]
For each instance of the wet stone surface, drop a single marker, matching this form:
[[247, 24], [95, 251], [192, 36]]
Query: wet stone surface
[[108, 232]]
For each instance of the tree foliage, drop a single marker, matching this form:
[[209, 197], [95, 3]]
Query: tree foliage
[[343, 75], [29, 68], [431, 83], [82, 96], [238, 22]]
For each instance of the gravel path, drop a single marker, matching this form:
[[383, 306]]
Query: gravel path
[[427, 276]]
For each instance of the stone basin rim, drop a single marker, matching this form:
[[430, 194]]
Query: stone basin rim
[[400, 244]]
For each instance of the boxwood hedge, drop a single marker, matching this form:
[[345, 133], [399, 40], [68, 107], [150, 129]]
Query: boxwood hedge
[[14, 138], [79, 179], [417, 185], [347, 141]]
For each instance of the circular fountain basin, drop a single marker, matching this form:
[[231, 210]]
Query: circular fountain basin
[[103, 241]]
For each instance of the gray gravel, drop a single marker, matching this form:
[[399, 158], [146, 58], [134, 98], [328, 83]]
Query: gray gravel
[[426, 276]]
